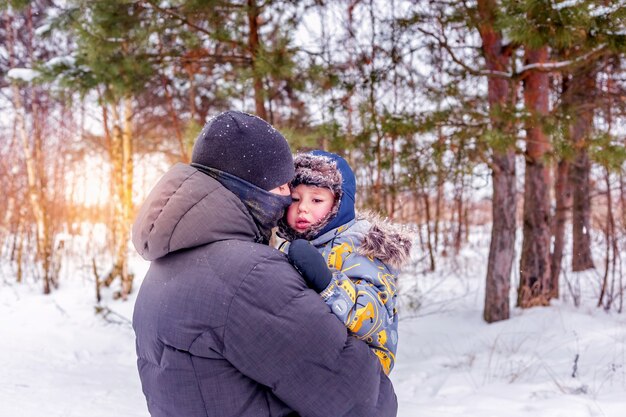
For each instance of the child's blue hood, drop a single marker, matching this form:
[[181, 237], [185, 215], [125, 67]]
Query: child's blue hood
[[346, 211]]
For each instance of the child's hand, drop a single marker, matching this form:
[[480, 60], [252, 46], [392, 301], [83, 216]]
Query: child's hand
[[310, 264]]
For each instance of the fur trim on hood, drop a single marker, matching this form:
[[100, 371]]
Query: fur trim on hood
[[385, 241]]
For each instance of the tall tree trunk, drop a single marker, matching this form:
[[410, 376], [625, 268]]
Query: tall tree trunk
[[33, 157], [622, 198], [255, 48], [429, 238], [502, 246], [19, 256], [534, 285], [35, 192], [440, 181], [562, 191], [607, 293], [460, 210], [585, 82], [393, 187], [127, 202], [378, 185], [116, 155], [122, 167], [563, 196]]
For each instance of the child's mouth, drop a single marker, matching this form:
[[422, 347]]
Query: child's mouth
[[302, 224]]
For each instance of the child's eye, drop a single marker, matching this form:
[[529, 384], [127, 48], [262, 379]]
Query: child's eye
[[317, 200], [295, 199]]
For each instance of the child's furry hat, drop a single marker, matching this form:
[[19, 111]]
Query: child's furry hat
[[319, 171]]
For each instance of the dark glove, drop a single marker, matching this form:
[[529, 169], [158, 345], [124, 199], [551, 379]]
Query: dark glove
[[310, 264]]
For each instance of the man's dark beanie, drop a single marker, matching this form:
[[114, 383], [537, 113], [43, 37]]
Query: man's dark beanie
[[245, 146]]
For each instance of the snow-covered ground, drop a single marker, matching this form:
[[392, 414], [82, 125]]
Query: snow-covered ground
[[60, 359]]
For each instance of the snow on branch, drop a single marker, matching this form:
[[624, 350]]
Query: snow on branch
[[60, 60], [23, 74], [597, 12], [607, 10], [567, 3]]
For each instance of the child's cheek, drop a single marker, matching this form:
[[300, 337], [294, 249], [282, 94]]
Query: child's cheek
[[292, 212]]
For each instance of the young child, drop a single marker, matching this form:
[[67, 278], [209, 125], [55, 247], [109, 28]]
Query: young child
[[358, 281]]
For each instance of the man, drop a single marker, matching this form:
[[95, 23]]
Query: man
[[225, 326]]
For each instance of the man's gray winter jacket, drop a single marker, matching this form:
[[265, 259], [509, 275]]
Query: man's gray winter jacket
[[226, 327]]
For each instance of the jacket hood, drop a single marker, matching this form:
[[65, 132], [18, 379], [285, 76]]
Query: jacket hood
[[378, 239], [186, 209], [345, 211]]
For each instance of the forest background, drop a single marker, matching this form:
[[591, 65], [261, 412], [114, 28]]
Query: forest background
[[454, 114]]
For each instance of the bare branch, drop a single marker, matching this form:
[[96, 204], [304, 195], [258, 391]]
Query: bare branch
[[483, 72], [552, 66]]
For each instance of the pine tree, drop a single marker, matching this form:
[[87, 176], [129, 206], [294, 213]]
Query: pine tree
[[574, 37]]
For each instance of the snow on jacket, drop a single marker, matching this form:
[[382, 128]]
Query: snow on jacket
[[226, 327], [364, 255]]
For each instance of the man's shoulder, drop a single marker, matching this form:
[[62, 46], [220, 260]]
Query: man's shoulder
[[258, 261], [247, 251], [269, 280], [229, 260]]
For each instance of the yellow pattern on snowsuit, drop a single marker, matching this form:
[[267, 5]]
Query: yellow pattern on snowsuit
[[362, 292]]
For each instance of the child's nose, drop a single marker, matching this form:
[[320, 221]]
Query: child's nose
[[302, 207]]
